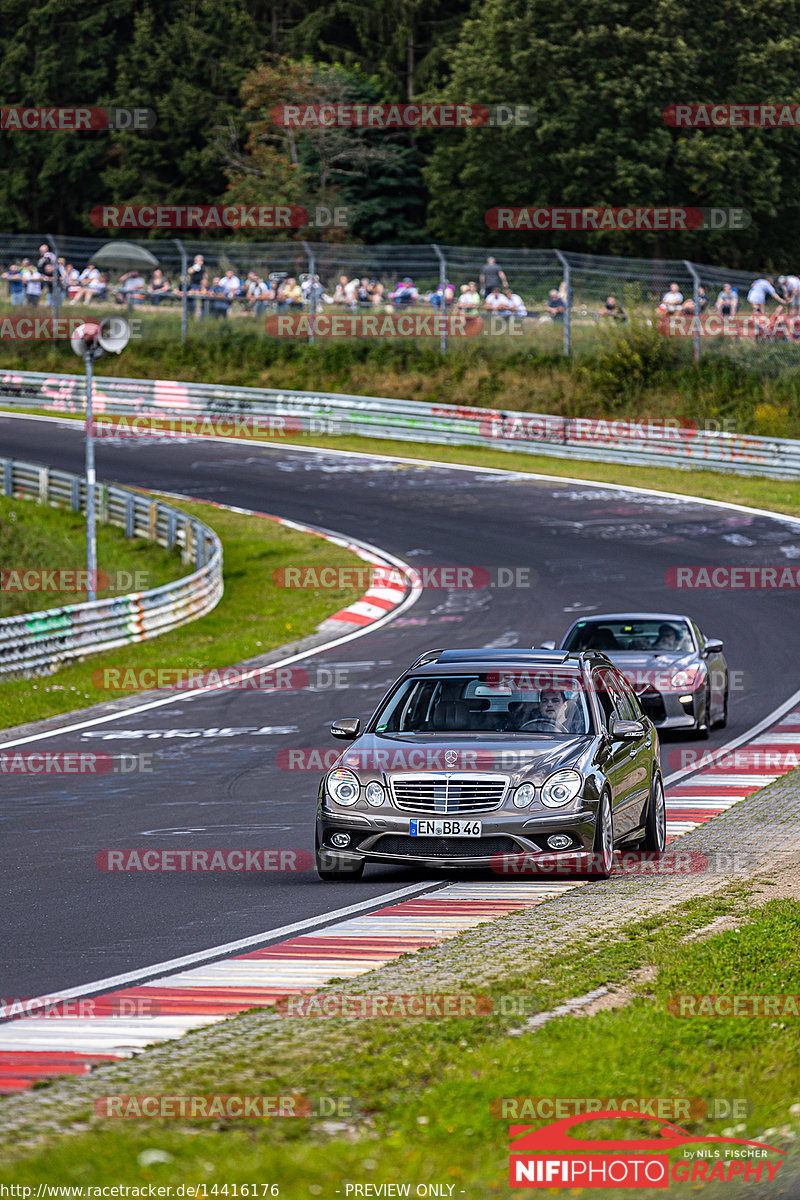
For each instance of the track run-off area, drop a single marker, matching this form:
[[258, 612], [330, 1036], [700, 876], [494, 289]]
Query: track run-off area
[[183, 949]]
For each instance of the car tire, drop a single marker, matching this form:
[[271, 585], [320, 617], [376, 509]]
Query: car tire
[[723, 720], [655, 827], [603, 854], [702, 731], [334, 874]]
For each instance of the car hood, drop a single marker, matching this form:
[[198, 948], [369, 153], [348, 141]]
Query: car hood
[[523, 758]]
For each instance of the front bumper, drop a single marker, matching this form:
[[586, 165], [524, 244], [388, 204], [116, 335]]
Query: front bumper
[[385, 837], [666, 711]]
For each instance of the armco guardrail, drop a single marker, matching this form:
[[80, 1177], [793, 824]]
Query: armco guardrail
[[37, 643], [373, 416]]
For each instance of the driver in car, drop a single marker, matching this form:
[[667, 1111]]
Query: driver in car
[[668, 638], [552, 713]]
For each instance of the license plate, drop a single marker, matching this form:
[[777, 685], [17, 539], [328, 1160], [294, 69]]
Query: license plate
[[445, 829]]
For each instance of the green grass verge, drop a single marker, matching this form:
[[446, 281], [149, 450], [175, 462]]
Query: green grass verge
[[37, 537], [254, 616], [422, 1091]]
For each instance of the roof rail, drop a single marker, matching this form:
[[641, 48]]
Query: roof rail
[[427, 657]]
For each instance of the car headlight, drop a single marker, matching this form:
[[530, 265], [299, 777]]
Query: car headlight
[[682, 680], [375, 794], [524, 795], [343, 787], [561, 787]]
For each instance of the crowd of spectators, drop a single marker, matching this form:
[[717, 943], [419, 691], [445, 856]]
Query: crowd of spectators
[[215, 295]]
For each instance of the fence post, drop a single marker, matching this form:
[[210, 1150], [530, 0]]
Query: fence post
[[568, 305], [312, 292], [443, 282], [184, 293], [56, 294], [696, 318]]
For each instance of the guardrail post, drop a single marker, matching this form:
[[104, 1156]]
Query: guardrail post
[[187, 541], [44, 484], [696, 318], [198, 545], [130, 518], [568, 305], [153, 520], [103, 504], [8, 477], [443, 283], [170, 529], [75, 494], [184, 293]]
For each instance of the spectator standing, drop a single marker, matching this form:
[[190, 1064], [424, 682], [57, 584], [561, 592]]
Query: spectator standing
[[196, 280], [491, 275], [759, 290], [16, 284], [230, 284], [33, 285]]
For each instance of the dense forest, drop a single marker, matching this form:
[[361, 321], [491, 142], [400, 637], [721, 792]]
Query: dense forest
[[597, 75]]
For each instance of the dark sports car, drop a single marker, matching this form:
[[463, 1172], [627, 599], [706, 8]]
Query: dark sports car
[[481, 758], [679, 675]]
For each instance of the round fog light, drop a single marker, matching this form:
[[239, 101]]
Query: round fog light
[[340, 840], [559, 841]]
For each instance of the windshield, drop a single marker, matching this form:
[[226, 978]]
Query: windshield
[[669, 636], [529, 702]]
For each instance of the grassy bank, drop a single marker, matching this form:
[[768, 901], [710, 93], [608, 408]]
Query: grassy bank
[[633, 373], [254, 616], [420, 1101]]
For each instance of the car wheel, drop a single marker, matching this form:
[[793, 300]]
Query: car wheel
[[723, 720], [655, 829], [702, 731], [331, 870], [603, 856]]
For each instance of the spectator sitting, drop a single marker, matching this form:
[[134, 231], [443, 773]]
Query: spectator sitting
[[378, 293], [513, 305], [405, 292], [672, 300], [97, 287], [158, 287], [290, 294], [16, 284], [613, 310], [727, 301], [495, 302], [702, 299], [83, 295], [132, 282], [469, 300], [340, 291], [446, 291], [555, 306], [759, 290]]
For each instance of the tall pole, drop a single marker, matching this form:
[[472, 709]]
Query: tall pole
[[696, 318], [443, 285], [184, 295], [91, 537], [568, 304]]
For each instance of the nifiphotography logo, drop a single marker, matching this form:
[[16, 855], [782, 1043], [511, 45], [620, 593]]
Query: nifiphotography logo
[[551, 1158]]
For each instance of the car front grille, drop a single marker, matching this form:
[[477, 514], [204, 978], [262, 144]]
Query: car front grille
[[442, 792], [442, 847]]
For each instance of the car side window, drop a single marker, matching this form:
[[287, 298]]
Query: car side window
[[605, 696], [631, 700]]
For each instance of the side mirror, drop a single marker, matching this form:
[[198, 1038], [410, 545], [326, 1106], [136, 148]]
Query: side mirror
[[626, 731], [713, 646], [347, 729], [547, 646]]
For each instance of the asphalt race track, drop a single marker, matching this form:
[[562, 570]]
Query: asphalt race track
[[216, 781]]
